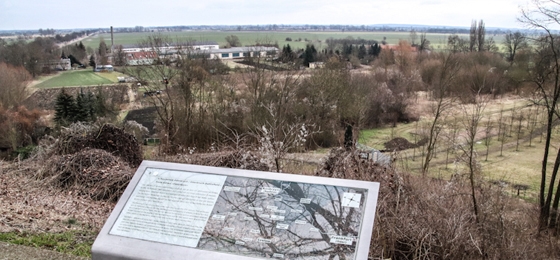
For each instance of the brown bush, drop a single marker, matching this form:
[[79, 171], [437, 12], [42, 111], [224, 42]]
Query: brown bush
[[106, 137], [423, 218], [235, 159], [92, 172]]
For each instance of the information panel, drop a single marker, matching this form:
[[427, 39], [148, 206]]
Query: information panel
[[185, 210], [284, 219], [169, 207]]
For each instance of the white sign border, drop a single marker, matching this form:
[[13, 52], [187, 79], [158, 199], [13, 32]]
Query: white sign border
[[110, 247]]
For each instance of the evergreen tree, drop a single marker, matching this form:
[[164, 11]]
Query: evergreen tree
[[375, 50], [81, 53], [91, 111], [92, 61], [287, 54], [347, 49], [362, 52], [65, 109], [81, 46], [309, 55], [82, 108], [100, 106]]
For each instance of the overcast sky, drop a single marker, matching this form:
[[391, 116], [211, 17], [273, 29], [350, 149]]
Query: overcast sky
[[67, 14]]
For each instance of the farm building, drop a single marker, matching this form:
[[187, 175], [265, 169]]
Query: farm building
[[173, 47], [241, 52], [136, 55], [141, 57], [61, 64], [229, 53]]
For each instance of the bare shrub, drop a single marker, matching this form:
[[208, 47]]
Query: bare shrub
[[423, 218], [106, 137], [91, 172], [235, 159]]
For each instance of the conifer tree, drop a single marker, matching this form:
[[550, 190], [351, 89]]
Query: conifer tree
[[82, 108], [309, 55], [362, 51], [65, 108], [92, 61]]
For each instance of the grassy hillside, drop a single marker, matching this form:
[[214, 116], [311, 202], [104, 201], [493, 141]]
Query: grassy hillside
[[79, 78]]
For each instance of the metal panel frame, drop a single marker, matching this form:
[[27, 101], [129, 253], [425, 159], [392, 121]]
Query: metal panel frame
[[113, 247]]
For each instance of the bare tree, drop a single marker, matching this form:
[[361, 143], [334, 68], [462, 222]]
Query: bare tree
[[481, 36], [119, 56], [532, 121], [457, 44], [424, 44], [413, 37], [488, 135], [514, 42], [542, 14], [157, 78], [102, 51], [439, 80], [502, 131], [519, 131], [233, 41], [473, 114], [14, 85], [452, 136], [473, 36], [477, 35]]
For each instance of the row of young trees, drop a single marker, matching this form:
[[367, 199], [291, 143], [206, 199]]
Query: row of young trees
[[535, 66]]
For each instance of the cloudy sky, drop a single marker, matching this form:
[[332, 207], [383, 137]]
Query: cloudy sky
[[67, 14]]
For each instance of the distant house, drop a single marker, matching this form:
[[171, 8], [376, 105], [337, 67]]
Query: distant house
[[61, 64], [103, 68], [141, 58]]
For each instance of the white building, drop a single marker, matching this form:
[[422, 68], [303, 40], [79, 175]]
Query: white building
[[242, 52], [211, 50], [173, 47], [61, 64]]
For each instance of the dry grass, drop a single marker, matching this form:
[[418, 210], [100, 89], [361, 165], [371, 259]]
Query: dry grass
[[426, 218], [514, 168], [417, 218], [28, 205]]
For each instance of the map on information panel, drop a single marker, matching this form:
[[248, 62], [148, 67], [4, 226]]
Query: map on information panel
[[244, 216]]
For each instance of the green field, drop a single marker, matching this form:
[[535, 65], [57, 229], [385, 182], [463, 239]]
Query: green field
[[250, 38], [79, 78]]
